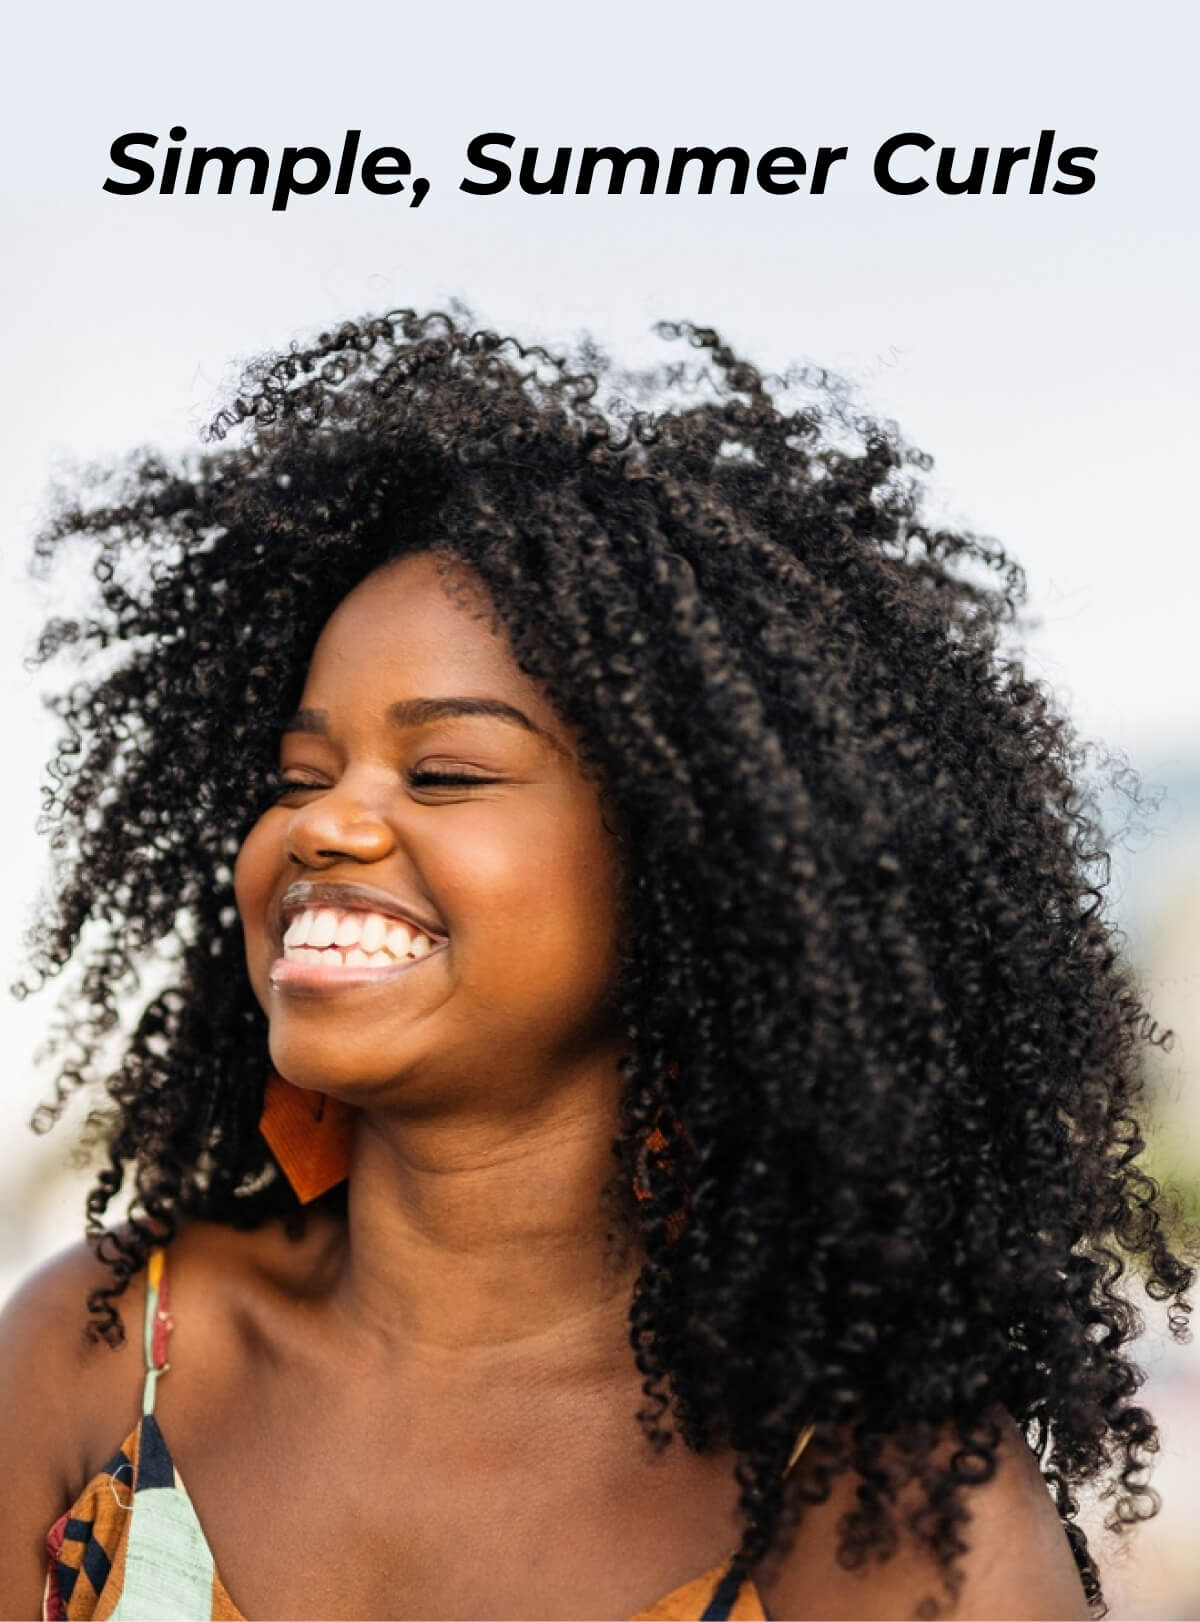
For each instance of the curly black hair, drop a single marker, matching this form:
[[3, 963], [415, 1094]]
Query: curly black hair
[[877, 1008]]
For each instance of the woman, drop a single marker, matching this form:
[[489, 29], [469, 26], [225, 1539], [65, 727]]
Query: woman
[[630, 970]]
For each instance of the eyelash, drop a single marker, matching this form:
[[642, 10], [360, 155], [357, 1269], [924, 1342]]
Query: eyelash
[[424, 779], [281, 786]]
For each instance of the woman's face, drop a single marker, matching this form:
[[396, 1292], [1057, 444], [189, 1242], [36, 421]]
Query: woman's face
[[512, 876]]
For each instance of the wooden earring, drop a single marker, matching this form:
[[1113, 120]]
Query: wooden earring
[[310, 1135]]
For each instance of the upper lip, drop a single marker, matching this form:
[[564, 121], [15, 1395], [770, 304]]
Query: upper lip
[[346, 897]]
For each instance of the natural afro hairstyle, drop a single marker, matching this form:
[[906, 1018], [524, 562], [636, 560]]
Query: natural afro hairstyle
[[878, 1013]]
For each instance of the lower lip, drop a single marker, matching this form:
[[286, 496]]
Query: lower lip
[[321, 980]]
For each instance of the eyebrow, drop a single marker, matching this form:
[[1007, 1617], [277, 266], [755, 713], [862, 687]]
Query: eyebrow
[[420, 712]]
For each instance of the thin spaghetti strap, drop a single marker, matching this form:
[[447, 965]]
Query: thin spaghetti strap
[[157, 1327], [801, 1443]]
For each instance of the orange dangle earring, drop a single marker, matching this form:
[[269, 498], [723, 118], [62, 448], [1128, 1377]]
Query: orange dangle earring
[[655, 1145], [310, 1135]]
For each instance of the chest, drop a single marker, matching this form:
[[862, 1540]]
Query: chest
[[445, 1504]]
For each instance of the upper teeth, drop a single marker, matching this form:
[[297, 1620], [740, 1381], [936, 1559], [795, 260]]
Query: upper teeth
[[357, 937]]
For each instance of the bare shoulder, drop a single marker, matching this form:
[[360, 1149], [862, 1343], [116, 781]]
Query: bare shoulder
[[1018, 1563], [232, 1292], [46, 1355], [70, 1400], [57, 1387], [69, 1384]]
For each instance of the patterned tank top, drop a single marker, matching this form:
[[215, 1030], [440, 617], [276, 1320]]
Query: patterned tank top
[[131, 1546]]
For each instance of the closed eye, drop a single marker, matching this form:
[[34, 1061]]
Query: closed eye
[[428, 779], [279, 787]]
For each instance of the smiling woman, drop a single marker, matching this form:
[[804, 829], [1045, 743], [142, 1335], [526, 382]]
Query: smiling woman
[[635, 972], [475, 826]]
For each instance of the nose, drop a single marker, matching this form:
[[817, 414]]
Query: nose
[[344, 823]]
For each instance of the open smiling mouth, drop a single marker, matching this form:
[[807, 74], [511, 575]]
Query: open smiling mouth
[[330, 946]]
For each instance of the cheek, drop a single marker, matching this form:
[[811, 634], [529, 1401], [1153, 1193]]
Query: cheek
[[253, 877], [540, 904], [579, 921]]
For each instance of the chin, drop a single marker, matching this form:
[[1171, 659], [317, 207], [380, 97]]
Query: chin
[[352, 1086]]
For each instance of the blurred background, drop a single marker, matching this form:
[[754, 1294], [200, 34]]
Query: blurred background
[[1043, 349]]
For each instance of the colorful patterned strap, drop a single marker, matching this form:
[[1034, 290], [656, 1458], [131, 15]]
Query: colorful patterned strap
[[157, 1329], [131, 1547]]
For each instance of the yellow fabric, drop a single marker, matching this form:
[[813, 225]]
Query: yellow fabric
[[691, 1601]]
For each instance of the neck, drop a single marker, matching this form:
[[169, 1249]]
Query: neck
[[490, 1235]]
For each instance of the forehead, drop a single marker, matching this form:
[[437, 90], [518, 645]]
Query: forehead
[[406, 614], [406, 632]]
